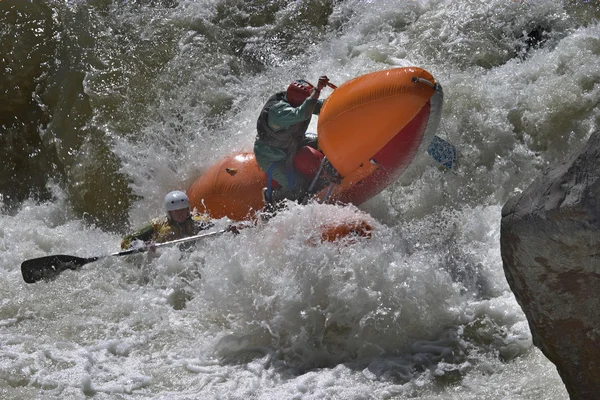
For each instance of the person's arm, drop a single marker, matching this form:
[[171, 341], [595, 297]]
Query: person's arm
[[323, 82], [283, 115], [318, 106], [144, 234]]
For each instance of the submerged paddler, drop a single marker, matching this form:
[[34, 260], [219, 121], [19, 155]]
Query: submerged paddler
[[281, 127], [180, 226], [179, 223]]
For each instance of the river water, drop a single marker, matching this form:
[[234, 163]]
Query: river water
[[108, 105]]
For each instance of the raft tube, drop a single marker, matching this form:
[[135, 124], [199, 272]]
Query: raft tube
[[372, 127]]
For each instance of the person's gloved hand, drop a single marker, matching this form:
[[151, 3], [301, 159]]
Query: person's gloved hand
[[323, 81], [233, 229], [137, 245], [150, 246]]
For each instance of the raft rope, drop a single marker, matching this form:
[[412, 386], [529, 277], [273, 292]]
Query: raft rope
[[329, 189], [314, 181], [311, 187]]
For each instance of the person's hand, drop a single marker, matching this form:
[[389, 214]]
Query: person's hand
[[151, 246], [323, 81], [137, 245], [233, 229]]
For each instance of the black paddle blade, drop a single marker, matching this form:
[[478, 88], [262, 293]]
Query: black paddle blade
[[50, 266]]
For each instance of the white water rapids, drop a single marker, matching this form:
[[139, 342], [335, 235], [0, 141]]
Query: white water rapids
[[422, 310]]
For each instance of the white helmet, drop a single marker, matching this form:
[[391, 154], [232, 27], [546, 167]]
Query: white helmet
[[176, 200]]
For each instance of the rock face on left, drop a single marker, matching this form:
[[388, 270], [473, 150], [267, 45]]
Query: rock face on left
[[550, 245]]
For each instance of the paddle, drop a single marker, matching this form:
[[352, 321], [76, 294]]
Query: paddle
[[49, 267]]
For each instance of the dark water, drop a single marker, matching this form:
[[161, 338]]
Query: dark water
[[77, 73]]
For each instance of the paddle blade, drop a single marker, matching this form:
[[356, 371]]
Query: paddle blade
[[443, 152], [50, 266]]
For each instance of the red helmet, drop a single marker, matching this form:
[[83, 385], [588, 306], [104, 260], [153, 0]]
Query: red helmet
[[298, 91]]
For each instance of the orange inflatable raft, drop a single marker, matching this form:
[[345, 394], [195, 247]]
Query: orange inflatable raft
[[370, 129]]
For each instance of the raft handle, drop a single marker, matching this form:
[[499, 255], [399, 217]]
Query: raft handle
[[422, 80]]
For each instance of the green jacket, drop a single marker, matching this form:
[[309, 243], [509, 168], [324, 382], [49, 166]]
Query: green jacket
[[282, 127], [281, 132]]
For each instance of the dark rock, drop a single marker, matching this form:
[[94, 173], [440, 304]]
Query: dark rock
[[550, 245]]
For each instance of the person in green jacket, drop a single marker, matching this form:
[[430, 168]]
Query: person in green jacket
[[178, 223], [281, 127]]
